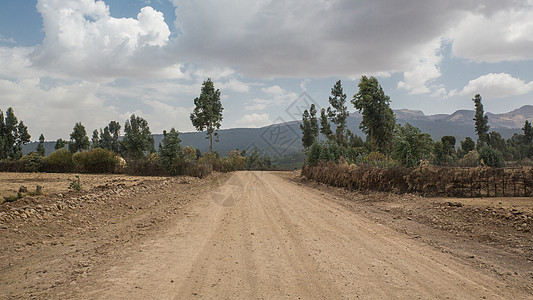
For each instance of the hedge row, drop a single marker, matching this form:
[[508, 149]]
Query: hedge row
[[426, 180]]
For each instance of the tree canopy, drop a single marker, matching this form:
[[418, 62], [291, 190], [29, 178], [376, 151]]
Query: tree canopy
[[378, 118], [338, 112], [207, 114], [138, 140], [78, 139]]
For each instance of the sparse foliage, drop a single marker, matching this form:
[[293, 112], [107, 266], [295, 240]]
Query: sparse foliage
[[338, 112], [207, 114]]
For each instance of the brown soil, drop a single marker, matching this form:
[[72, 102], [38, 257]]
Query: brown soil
[[260, 235]]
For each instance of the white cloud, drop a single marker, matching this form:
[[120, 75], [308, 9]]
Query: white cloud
[[256, 106], [83, 40], [497, 86], [502, 36], [54, 111], [165, 116], [7, 40], [274, 90], [425, 68], [233, 85], [253, 121]]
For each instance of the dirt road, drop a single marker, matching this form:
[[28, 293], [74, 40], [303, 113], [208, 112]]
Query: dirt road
[[258, 235]]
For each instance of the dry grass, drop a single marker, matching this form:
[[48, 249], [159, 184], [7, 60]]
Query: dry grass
[[427, 180]]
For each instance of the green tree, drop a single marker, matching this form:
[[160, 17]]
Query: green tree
[[378, 118], [314, 122], [138, 140], [170, 151], [481, 121], [468, 145], [207, 114], [3, 141], [22, 138], [410, 145], [40, 147], [496, 141], [10, 133], [325, 127], [95, 140], [114, 130], [106, 140], [307, 130], [338, 112], [60, 143], [439, 157], [78, 139], [491, 157], [528, 133], [448, 143], [13, 135]]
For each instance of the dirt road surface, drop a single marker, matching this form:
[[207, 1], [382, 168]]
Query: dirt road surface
[[257, 235]]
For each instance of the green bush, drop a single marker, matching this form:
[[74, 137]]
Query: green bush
[[59, 161], [33, 162], [491, 157], [96, 161]]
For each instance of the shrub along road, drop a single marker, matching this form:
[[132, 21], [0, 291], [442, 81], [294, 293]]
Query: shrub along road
[[240, 235]]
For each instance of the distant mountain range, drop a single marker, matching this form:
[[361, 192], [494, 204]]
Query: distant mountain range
[[284, 139]]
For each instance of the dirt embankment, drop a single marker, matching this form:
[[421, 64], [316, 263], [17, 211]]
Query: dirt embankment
[[263, 235]]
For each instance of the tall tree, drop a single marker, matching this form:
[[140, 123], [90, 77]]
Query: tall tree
[[14, 135], [10, 132], [314, 122], [481, 121], [106, 140], [40, 147], [78, 139], [325, 127], [207, 114], [138, 139], [528, 133], [23, 137], [307, 130], [378, 118], [114, 130], [60, 143], [338, 112], [170, 151], [95, 140]]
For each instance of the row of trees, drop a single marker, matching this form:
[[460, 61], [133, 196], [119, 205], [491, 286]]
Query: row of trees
[[390, 143], [13, 135], [100, 153]]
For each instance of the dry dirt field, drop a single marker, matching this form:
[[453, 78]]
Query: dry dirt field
[[255, 235]]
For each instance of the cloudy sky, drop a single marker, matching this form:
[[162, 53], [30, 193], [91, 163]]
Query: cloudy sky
[[64, 61]]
